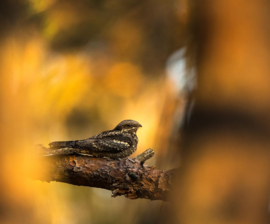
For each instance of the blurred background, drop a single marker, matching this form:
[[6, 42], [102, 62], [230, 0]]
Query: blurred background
[[195, 74], [71, 69]]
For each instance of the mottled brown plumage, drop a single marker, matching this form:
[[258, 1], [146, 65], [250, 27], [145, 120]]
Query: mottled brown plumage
[[117, 143]]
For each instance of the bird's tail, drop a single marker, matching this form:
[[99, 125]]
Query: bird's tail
[[62, 144]]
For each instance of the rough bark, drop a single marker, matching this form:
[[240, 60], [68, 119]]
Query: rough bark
[[128, 177]]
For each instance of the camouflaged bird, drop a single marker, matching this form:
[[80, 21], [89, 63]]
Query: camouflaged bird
[[117, 143]]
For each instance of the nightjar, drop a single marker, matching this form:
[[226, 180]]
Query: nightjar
[[117, 143]]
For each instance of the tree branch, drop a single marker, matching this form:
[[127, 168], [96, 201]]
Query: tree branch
[[128, 177]]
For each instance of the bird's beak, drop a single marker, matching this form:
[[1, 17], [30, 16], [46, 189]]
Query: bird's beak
[[140, 126]]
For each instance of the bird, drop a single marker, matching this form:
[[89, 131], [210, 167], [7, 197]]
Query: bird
[[119, 142]]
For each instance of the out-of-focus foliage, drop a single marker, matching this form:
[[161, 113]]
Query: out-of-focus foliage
[[69, 70]]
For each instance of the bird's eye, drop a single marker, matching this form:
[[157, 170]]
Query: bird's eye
[[128, 125]]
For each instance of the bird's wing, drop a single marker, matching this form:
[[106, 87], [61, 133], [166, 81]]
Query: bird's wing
[[112, 144]]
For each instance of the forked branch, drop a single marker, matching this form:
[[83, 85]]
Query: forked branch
[[128, 177]]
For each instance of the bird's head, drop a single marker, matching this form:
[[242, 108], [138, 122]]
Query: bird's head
[[130, 126]]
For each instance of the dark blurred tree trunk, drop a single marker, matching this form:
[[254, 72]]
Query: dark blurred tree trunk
[[225, 177]]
